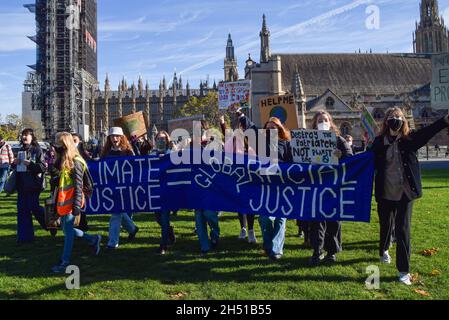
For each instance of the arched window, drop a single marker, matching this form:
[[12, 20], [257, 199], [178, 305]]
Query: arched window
[[330, 103], [345, 129]]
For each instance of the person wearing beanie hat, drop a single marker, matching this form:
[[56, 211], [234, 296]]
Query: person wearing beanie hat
[[117, 145]]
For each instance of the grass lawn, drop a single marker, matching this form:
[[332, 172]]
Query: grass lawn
[[236, 270]]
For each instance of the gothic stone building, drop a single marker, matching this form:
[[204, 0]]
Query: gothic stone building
[[158, 106], [342, 83]]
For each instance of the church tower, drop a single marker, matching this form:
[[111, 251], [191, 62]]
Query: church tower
[[230, 64], [431, 35], [264, 42]]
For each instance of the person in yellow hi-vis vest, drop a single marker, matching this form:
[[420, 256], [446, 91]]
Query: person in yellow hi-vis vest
[[70, 198]]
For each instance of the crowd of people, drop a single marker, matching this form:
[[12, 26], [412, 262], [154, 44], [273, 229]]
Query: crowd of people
[[397, 185]]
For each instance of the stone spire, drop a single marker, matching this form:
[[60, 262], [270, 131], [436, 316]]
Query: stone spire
[[300, 98], [140, 86], [431, 35], [230, 63], [264, 42]]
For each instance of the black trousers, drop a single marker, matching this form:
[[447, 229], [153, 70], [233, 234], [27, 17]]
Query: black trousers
[[304, 226], [397, 216], [249, 219], [326, 235]]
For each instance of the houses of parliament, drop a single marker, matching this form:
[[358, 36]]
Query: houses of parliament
[[337, 82]]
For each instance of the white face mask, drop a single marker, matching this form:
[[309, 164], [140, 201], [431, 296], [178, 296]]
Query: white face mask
[[324, 126]]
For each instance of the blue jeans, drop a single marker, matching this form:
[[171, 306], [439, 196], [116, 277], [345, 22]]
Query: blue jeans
[[163, 219], [202, 219], [273, 233], [70, 232], [27, 206], [3, 176], [114, 227]]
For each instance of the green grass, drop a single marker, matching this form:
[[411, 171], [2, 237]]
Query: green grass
[[236, 270]]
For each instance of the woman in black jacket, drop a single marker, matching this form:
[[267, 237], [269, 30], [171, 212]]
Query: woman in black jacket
[[398, 182], [30, 183], [326, 235]]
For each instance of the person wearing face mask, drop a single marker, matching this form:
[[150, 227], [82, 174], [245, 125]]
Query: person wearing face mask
[[79, 144], [398, 183], [30, 183], [163, 144], [70, 197], [350, 140], [117, 145], [326, 235]]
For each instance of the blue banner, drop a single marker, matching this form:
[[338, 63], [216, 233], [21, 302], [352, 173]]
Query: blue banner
[[294, 191]]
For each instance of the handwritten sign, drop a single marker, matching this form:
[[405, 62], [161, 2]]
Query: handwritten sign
[[234, 95], [314, 147], [281, 107], [297, 191], [440, 81]]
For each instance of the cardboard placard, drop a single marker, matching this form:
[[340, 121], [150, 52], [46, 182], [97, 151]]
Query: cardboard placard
[[184, 123], [314, 147], [132, 125], [234, 95], [281, 107]]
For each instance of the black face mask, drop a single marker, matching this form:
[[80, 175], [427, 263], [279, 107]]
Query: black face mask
[[395, 124]]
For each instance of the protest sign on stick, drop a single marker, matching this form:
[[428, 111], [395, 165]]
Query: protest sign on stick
[[132, 125], [234, 95], [281, 107]]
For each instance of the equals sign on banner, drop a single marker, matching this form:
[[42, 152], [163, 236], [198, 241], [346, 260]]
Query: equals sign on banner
[[179, 176]]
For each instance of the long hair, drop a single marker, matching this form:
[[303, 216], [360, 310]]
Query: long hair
[[283, 133], [320, 113], [124, 146], [167, 137], [67, 158], [395, 112], [30, 132]]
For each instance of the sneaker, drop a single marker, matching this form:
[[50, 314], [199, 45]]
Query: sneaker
[[386, 258], [97, 245], [243, 234], [53, 232], [405, 278], [252, 237], [330, 258], [132, 235], [162, 250], [109, 247], [315, 260], [275, 256], [300, 235], [171, 235], [60, 268]]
